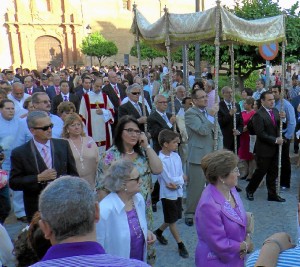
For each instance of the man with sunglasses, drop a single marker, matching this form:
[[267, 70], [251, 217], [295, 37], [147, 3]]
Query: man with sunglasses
[[133, 106], [39, 161]]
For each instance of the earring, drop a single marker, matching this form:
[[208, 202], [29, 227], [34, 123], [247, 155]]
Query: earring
[[223, 182], [125, 189]]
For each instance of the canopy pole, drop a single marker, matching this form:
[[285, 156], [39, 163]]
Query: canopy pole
[[167, 44], [281, 109], [231, 51], [217, 62], [138, 48]]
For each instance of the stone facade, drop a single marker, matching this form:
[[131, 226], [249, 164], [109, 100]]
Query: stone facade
[[37, 32]]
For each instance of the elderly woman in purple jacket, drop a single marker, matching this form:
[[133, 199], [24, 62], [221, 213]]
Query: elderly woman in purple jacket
[[220, 216]]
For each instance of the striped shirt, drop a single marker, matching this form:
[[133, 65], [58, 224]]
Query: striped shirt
[[84, 254], [287, 258]]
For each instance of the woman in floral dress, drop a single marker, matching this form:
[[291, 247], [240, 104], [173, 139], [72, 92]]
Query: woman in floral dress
[[131, 143]]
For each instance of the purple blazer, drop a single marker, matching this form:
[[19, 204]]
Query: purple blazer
[[220, 229]]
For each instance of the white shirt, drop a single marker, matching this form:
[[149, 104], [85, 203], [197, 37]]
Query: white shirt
[[172, 173], [63, 96], [113, 231], [126, 99], [164, 114], [19, 110], [40, 147]]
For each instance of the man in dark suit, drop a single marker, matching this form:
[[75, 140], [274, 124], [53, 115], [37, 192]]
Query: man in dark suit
[[133, 107], [116, 93], [266, 123], [39, 161], [30, 88], [225, 118], [64, 76], [180, 95], [85, 87], [64, 95], [158, 121]]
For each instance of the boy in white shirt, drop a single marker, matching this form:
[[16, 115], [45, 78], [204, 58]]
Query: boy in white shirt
[[171, 181]]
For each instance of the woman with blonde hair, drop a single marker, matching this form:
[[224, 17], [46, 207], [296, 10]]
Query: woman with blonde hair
[[84, 148], [221, 219]]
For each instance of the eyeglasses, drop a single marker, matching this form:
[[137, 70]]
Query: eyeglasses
[[163, 102], [135, 93], [44, 128], [131, 131], [45, 101], [106, 81], [134, 179], [235, 170]]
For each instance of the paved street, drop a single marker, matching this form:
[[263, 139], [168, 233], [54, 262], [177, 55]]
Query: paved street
[[270, 217]]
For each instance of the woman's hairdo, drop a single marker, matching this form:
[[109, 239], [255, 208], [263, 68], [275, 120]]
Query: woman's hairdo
[[218, 164]]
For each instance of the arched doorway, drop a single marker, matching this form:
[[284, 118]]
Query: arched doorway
[[48, 51]]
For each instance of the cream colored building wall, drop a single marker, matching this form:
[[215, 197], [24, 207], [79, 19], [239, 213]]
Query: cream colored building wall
[[30, 19]]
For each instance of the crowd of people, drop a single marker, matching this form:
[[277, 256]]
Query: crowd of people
[[118, 131]]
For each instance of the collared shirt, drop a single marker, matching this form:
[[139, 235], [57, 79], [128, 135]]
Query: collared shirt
[[82, 254], [290, 118], [165, 115], [8, 133], [256, 95], [63, 96], [208, 116], [126, 99], [172, 173], [40, 147], [294, 91]]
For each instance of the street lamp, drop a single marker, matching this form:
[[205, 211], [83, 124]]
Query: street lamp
[[89, 31]]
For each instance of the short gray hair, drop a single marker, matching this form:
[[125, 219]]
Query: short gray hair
[[131, 87], [68, 206], [180, 87], [116, 175], [17, 85], [157, 97], [225, 88], [33, 116]]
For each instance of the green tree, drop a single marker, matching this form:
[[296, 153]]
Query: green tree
[[95, 45], [247, 58], [147, 52]]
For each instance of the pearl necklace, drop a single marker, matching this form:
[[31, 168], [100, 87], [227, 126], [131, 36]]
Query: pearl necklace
[[130, 153], [80, 154]]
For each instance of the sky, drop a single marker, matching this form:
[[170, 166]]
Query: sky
[[286, 3]]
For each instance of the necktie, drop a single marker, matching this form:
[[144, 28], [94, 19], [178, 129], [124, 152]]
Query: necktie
[[116, 90], [29, 91], [57, 91], [65, 98], [229, 106], [137, 106], [272, 117], [47, 158], [165, 118]]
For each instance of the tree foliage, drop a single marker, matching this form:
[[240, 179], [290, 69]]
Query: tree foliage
[[147, 52], [95, 45], [247, 58]]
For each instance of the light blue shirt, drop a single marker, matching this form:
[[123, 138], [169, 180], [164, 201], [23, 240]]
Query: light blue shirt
[[290, 117], [256, 95], [8, 132]]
